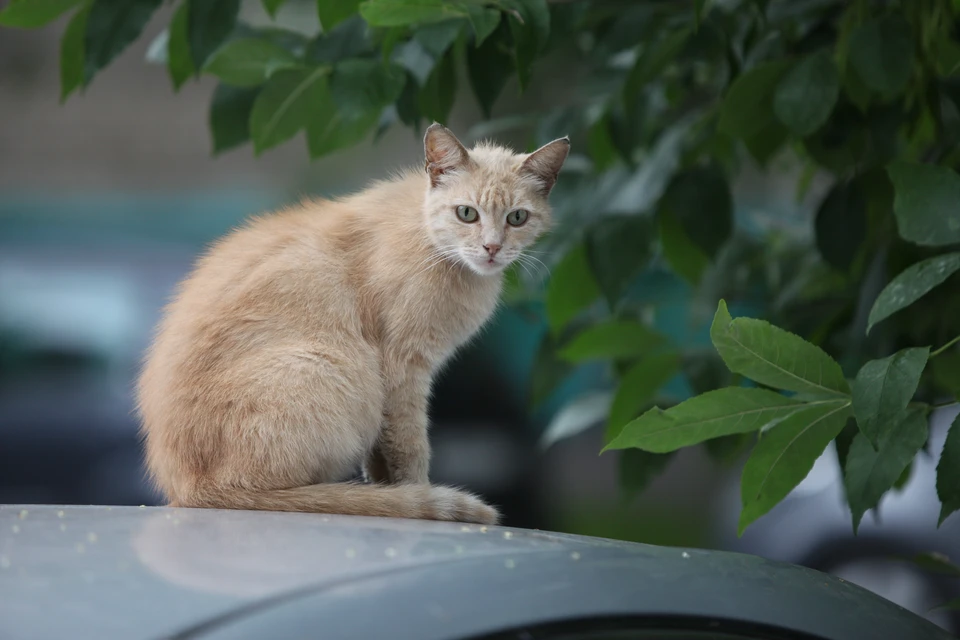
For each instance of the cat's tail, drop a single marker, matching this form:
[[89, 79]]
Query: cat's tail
[[420, 501]]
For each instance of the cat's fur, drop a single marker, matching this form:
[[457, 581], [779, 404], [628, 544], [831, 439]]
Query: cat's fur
[[303, 345]]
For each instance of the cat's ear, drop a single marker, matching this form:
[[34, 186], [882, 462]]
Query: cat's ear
[[544, 163], [443, 152]]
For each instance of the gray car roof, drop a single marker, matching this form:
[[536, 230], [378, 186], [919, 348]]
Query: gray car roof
[[127, 572]]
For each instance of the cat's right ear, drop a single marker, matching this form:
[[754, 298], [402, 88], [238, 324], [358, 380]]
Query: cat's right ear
[[443, 152]]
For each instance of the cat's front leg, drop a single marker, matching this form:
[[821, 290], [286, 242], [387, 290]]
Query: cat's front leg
[[375, 466], [403, 441]]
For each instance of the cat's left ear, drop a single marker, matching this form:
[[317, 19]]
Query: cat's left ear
[[544, 163]]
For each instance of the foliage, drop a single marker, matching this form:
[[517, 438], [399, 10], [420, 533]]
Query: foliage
[[668, 102]]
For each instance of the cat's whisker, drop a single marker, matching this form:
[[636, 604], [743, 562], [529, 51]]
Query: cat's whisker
[[534, 262]]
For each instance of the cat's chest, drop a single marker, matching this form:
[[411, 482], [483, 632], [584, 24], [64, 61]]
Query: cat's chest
[[438, 322]]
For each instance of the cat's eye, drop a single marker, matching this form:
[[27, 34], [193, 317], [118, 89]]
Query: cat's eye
[[517, 218], [467, 214]]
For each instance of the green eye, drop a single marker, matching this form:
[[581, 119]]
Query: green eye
[[517, 218], [467, 214]]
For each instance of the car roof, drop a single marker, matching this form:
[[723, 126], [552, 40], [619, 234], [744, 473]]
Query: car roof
[[127, 572]]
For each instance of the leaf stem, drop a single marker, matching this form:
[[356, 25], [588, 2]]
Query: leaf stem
[[945, 347], [941, 405]]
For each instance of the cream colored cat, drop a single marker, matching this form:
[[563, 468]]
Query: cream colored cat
[[304, 344]]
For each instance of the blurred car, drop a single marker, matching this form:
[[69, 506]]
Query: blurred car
[[127, 572], [812, 527]]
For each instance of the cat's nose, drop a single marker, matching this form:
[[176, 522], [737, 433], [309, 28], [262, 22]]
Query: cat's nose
[[492, 249]]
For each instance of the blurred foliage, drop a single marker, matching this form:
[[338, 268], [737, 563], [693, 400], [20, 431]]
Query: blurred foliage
[[669, 101]]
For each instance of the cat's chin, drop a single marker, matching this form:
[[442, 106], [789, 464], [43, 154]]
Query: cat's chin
[[485, 267]]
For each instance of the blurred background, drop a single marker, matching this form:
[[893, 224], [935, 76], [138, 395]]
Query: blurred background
[[106, 201]]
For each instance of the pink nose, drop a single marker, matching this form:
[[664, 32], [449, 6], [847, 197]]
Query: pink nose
[[492, 249]]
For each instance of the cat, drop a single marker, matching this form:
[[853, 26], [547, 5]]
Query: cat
[[302, 346]]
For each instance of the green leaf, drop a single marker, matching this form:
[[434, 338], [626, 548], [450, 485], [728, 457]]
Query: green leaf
[[248, 62], [904, 478], [913, 283], [72, 53], [548, 371], [785, 454], [618, 248], [747, 108], [287, 102], [438, 94], [230, 112], [638, 387], [578, 416], [349, 39], [700, 199], [807, 94], [111, 26], [948, 473], [728, 450], [333, 12], [764, 144], [179, 62], [884, 388], [366, 85], [637, 469], [333, 125], [936, 563], [436, 38], [945, 370], [408, 104], [30, 14], [529, 23], [489, 66], [484, 22], [841, 224], [653, 59], [710, 415], [683, 256], [881, 53], [925, 203], [952, 605], [570, 290], [774, 357], [870, 473], [209, 24], [271, 7], [398, 13], [618, 339]]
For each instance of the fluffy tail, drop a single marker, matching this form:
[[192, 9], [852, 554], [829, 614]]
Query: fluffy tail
[[425, 502]]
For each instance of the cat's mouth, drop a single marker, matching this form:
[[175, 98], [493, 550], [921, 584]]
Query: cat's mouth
[[486, 265]]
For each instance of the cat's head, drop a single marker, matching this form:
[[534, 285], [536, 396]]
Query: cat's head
[[486, 205]]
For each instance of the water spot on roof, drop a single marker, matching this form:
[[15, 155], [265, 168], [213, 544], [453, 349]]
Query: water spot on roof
[[60, 513], [15, 528], [92, 538], [507, 535], [81, 548], [351, 553], [390, 552], [4, 562], [575, 556], [23, 514], [509, 564], [63, 527], [465, 529], [483, 529], [458, 549], [685, 555]]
